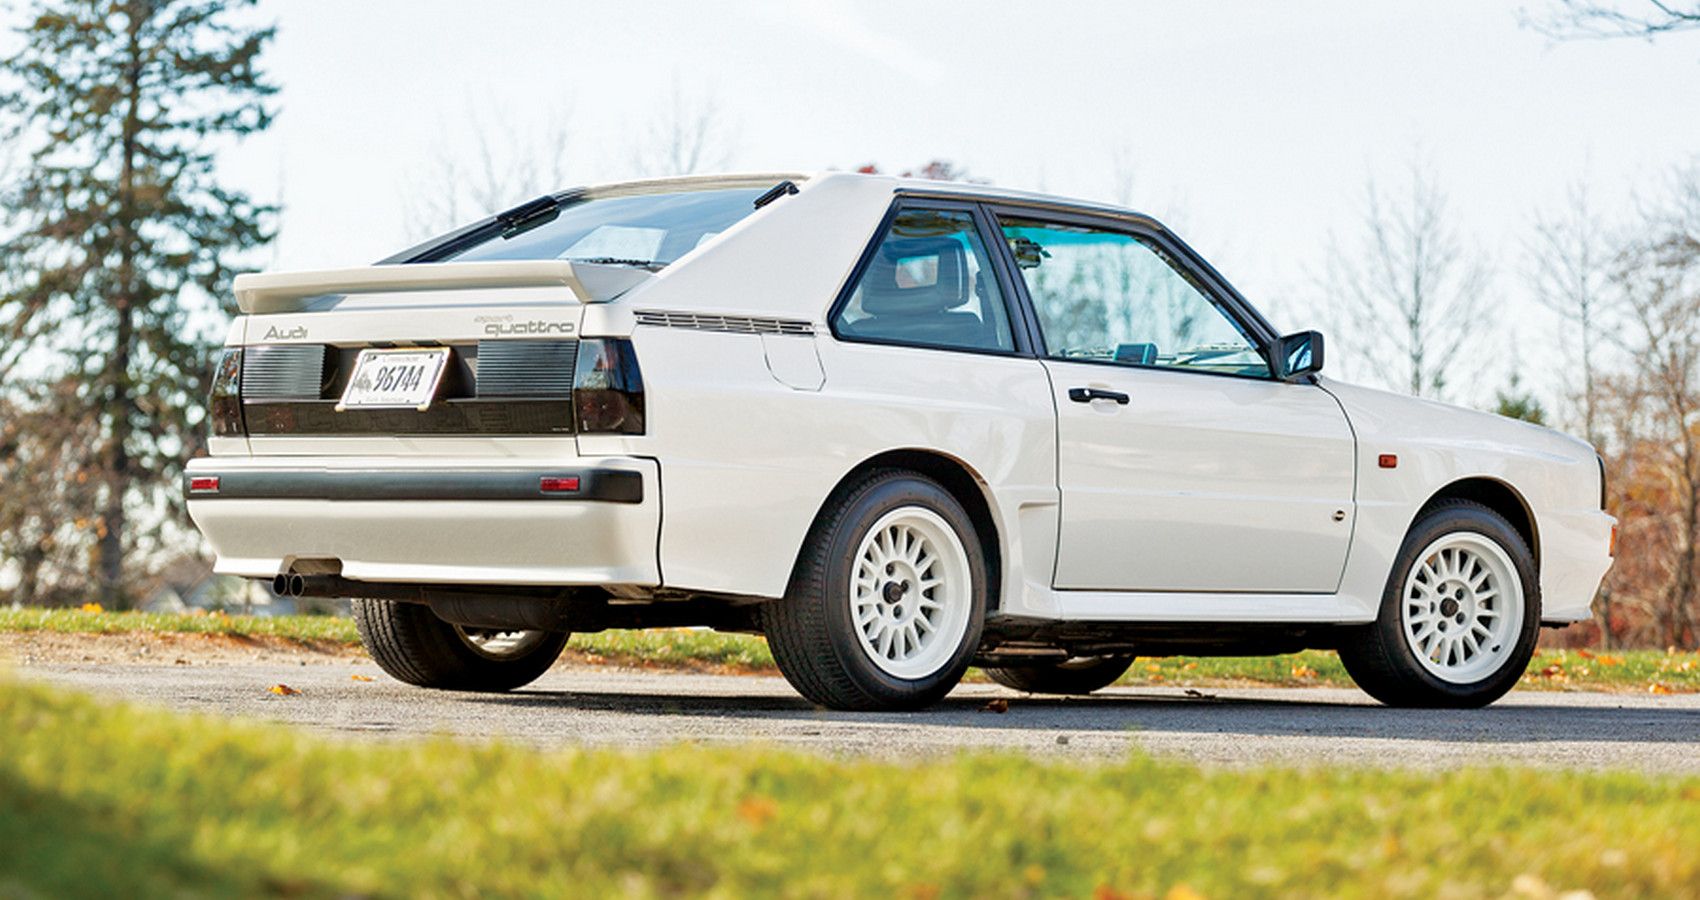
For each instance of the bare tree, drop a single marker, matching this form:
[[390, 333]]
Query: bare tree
[[688, 134], [1569, 269], [1571, 19], [1412, 291], [936, 169], [48, 441], [511, 162], [1660, 284]]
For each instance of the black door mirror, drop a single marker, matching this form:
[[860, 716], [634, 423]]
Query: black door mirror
[[1297, 355]]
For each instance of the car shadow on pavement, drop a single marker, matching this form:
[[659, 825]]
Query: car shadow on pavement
[[1522, 722]]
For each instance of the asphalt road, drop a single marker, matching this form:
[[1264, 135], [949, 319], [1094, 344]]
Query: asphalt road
[[611, 707]]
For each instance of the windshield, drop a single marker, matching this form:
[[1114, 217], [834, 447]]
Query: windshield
[[630, 229]]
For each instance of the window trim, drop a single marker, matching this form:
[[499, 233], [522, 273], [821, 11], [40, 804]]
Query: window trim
[[1015, 313], [1216, 289]]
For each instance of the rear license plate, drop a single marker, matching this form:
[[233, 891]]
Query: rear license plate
[[395, 379]]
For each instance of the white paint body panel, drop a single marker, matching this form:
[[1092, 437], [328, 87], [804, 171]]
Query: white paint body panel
[[1201, 483], [1205, 500]]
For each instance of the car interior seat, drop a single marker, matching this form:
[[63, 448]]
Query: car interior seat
[[920, 313]]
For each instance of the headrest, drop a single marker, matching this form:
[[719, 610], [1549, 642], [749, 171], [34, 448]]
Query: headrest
[[1137, 354], [888, 287]]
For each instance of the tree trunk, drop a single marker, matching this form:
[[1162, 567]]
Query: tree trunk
[[121, 401]]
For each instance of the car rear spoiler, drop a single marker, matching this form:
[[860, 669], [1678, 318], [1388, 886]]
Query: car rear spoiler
[[277, 292]]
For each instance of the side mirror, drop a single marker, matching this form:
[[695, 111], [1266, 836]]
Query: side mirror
[[1296, 355]]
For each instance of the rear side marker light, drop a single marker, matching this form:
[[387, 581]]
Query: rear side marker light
[[564, 484], [1387, 461], [203, 484]]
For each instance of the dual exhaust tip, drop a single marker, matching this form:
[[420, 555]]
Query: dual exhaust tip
[[289, 585]]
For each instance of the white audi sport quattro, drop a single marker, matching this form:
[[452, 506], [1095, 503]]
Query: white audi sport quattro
[[898, 427]]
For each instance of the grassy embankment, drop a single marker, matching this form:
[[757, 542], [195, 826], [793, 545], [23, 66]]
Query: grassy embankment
[[103, 800], [1652, 671]]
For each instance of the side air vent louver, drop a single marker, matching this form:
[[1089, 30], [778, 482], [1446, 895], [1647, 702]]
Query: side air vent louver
[[283, 372], [732, 324], [526, 368]]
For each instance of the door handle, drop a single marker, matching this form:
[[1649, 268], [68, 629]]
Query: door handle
[[1087, 395]]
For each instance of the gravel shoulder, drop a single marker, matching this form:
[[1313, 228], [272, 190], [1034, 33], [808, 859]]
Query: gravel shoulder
[[343, 693]]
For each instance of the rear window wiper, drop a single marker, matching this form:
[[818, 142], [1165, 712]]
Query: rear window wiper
[[527, 216], [507, 224], [650, 264]]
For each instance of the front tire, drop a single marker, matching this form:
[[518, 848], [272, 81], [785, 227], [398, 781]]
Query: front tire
[[412, 645], [886, 605], [1082, 675], [1459, 616]]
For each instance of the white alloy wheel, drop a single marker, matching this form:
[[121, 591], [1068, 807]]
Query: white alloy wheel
[[495, 644], [1462, 608], [911, 592]]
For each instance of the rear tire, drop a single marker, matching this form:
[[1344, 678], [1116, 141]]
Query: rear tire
[[1081, 675], [885, 607], [1459, 616], [410, 643]]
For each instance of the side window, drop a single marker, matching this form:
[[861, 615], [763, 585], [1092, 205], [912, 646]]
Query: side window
[[929, 283], [1107, 296]]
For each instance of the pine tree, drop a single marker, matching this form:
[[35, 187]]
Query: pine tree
[[118, 241]]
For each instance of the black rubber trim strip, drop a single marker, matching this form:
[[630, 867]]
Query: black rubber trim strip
[[460, 416], [605, 485]]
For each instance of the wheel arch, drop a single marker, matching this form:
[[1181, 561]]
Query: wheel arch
[[1498, 496], [961, 481]]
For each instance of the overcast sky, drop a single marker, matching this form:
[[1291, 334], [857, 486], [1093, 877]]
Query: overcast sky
[[1251, 126]]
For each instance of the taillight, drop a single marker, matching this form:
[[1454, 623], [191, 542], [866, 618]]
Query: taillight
[[226, 403], [607, 387]]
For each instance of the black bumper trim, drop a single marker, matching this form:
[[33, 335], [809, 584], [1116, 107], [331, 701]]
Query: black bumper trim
[[605, 485]]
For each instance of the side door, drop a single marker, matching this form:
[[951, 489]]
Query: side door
[[1183, 464]]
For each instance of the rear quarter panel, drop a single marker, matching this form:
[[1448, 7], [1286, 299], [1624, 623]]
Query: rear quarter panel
[[749, 453]]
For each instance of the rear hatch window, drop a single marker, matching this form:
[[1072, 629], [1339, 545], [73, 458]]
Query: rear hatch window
[[646, 229]]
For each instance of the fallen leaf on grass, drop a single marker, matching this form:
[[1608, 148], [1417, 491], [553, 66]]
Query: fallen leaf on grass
[[91, 608], [359, 678], [283, 690], [1182, 891], [997, 705], [757, 810], [1302, 671], [1659, 687]]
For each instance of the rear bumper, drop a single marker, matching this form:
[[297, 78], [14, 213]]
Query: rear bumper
[[438, 523]]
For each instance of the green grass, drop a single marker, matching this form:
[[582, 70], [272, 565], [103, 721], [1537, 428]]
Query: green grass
[[1637, 670], [676, 647], [1655, 671], [305, 629], [112, 800]]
